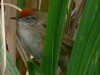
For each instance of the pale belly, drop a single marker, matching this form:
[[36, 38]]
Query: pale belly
[[32, 42]]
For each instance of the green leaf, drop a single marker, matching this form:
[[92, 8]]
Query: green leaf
[[21, 3], [86, 39], [90, 52], [10, 63], [12, 66], [0, 50], [92, 69], [97, 72], [19, 64], [33, 69], [56, 19]]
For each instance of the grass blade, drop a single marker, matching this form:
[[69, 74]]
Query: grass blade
[[84, 31], [90, 52], [57, 14], [21, 3], [33, 69], [98, 65], [11, 65]]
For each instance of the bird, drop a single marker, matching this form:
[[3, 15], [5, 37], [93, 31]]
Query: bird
[[31, 31]]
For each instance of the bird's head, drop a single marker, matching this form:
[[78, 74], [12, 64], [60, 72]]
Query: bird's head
[[30, 17]]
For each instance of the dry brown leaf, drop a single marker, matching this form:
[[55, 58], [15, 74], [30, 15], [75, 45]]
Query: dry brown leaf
[[32, 4], [77, 19], [44, 5], [11, 28], [77, 3], [0, 24]]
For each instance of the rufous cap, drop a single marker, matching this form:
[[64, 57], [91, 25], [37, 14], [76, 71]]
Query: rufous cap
[[27, 12]]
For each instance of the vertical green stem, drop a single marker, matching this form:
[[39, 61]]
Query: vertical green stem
[[21, 3]]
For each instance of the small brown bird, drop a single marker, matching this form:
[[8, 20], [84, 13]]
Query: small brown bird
[[32, 31]]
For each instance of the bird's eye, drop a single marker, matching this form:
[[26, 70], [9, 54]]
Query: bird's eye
[[27, 19]]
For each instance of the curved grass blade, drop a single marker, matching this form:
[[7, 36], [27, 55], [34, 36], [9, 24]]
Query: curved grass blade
[[11, 66], [33, 69]]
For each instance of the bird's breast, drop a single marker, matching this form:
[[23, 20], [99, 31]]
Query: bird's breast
[[32, 39]]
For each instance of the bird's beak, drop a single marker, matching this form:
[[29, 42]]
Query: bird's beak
[[14, 18]]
